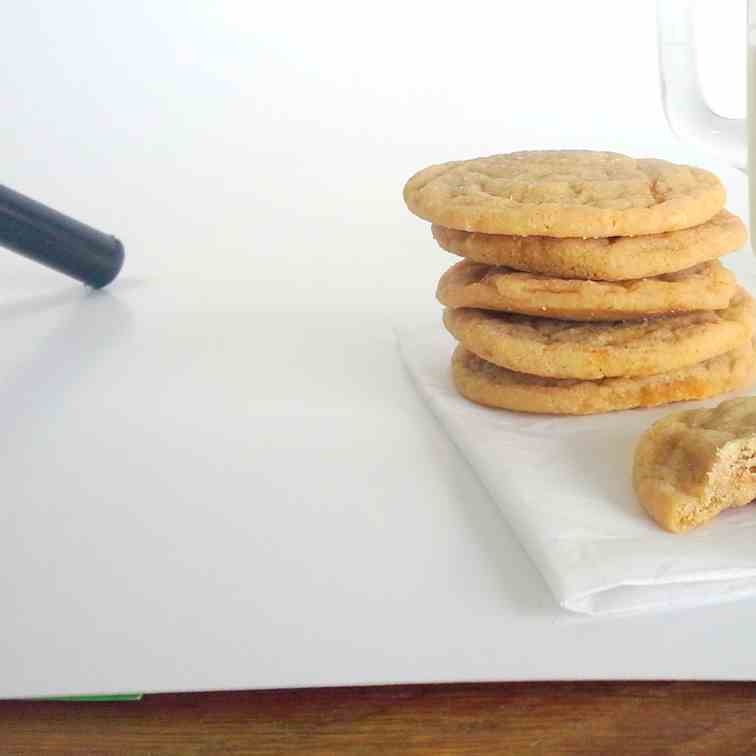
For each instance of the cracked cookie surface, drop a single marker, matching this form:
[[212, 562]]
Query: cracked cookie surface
[[614, 259], [690, 466], [493, 386], [707, 286], [563, 349], [564, 193]]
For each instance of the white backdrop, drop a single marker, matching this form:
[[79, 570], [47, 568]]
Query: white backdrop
[[206, 132], [205, 475]]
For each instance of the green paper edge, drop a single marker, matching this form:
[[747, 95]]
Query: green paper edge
[[113, 697]]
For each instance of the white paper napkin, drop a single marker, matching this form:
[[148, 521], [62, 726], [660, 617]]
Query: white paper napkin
[[564, 486]]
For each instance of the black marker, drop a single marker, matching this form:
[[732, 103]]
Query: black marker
[[57, 241]]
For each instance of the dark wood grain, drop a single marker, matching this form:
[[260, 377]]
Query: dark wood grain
[[530, 718]]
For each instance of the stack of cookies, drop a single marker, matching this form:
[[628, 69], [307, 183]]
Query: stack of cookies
[[590, 280]]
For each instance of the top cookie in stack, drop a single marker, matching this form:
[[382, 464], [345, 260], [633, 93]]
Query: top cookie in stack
[[590, 281]]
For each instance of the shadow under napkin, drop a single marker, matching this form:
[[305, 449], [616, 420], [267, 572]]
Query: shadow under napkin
[[487, 527]]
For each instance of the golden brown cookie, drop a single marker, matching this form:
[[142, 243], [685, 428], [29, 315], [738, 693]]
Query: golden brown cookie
[[707, 286], [494, 386], [564, 193], [562, 349], [619, 258], [691, 465]]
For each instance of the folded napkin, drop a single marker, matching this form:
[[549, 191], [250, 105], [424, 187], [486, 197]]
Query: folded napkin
[[564, 486]]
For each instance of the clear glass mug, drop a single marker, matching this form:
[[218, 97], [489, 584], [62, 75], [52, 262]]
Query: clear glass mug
[[684, 104]]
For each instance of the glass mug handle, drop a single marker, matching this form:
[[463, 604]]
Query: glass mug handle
[[688, 114]]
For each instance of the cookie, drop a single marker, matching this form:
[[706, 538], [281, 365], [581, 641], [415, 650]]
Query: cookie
[[564, 193], [619, 258], [691, 465], [493, 386], [562, 349], [707, 286]]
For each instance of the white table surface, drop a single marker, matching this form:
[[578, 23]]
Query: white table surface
[[232, 484], [216, 473]]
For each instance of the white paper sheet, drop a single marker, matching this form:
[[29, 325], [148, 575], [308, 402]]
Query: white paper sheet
[[564, 486]]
